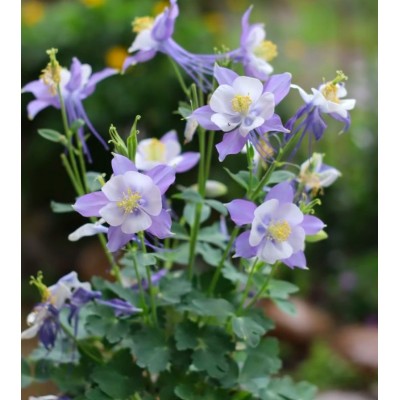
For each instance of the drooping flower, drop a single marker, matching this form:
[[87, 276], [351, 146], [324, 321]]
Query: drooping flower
[[255, 52], [315, 175], [120, 307], [130, 202], [278, 228], [328, 99], [76, 84], [242, 106], [166, 151], [155, 35], [44, 319]]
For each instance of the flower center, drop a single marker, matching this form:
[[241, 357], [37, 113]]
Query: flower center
[[266, 50], [241, 104], [155, 150], [280, 231], [51, 76], [130, 201], [330, 91], [140, 24]]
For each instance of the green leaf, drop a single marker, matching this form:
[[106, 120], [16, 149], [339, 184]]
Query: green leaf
[[186, 335], [96, 394], [231, 273], [61, 207], [286, 306], [219, 308], [26, 374], [151, 350], [218, 206], [281, 176], [248, 330], [78, 123], [288, 390], [281, 289], [211, 255], [212, 234], [93, 181], [321, 235], [189, 195], [173, 288], [52, 136], [189, 213], [69, 377], [237, 178]]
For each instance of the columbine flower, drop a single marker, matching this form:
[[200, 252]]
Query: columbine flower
[[75, 85], [255, 52], [328, 99], [315, 175], [44, 318], [155, 35], [278, 228], [130, 202], [120, 307], [166, 151], [242, 106]]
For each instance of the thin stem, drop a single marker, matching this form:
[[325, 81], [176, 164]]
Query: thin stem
[[181, 81], [250, 167], [217, 272], [139, 280], [70, 173], [264, 286], [210, 148], [248, 285], [82, 165]]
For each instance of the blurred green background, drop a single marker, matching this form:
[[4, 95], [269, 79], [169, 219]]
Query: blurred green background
[[314, 38]]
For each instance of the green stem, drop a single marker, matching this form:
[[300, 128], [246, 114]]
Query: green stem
[[181, 81], [248, 285], [70, 173], [139, 280], [264, 286], [217, 272], [82, 165]]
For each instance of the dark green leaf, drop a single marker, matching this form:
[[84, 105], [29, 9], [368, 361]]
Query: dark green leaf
[[286, 306], [281, 289], [211, 255], [26, 374], [248, 330], [186, 335], [188, 195], [281, 176], [173, 288], [96, 394], [237, 178], [52, 136], [189, 213], [219, 308]]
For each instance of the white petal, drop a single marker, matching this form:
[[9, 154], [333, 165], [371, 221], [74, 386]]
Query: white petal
[[308, 98], [221, 100], [290, 213], [135, 222], [297, 239], [143, 41], [113, 214], [249, 123], [255, 36], [247, 86], [348, 104], [115, 188], [266, 209], [138, 182], [272, 252], [329, 176], [173, 149], [265, 106], [151, 201], [226, 122], [86, 230]]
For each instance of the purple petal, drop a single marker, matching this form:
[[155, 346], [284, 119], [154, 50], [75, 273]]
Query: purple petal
[[224, 76], [274, 124], [90, 204], [243, 248], [241, 211], [170, 135], [96, 78], [120, 307], [121, 164], [35, 106], [164, 25], [283, 192], [139, 57], [161, 225], [232, 143], [346, 120], [117, 238], [296, 260], [203, 116], [279, 85], [312, 225], [245, 26], [316, 124], [75, 80], [163, 176], [187, 161]]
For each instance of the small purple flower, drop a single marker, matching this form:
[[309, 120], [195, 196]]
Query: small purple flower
[[130, 202], [155, 279], [166, 151], [76, 84], [278, 228], [315, 175], [255, 52], [44, 319], [328, 99], [155, 35], [243, 107]]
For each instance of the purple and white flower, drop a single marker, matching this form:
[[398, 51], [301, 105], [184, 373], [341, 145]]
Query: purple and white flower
[[155, 35], [315, 175], [255, 52], [76, 85], [243, 108], [43, 320], [328, 99], [130, 202], [166, 151], [278, 228]]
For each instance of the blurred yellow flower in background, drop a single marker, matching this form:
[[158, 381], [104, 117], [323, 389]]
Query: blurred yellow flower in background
[[115, 56], [214, 22], [32, 12], [93, 3], [160, 6]]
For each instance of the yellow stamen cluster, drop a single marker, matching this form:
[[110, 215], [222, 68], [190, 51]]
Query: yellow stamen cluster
[[280, 231], [130, 201], [266, 50], [139, 24], [43, 289], [241, 104], [155, 151], [51, 75], [330, 89]]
